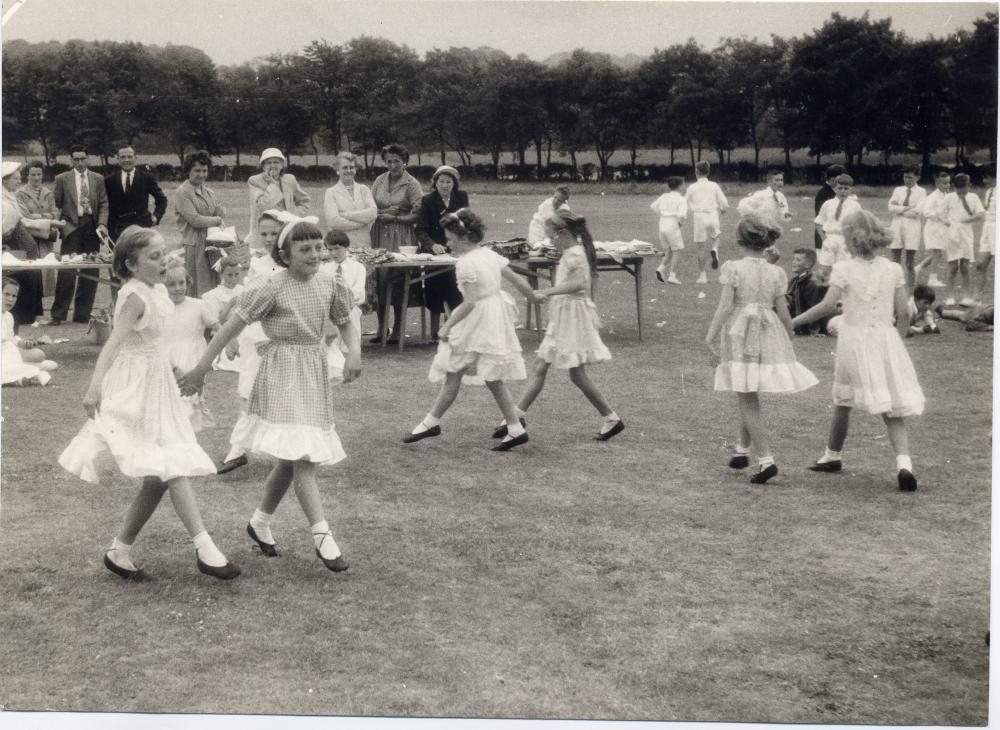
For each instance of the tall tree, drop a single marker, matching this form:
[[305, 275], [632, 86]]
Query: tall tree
[[285, 117], [237, 116], [185, 90]]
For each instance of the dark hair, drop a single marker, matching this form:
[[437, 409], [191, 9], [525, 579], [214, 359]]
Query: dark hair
[[438, 176], [674, 182], [301, 231], [228, 263], [8, 280], [809, 253], [775, 171], [941, 173], [131, 241], [961, 180], [911, 170], [395, 149], [922, 292], [834, 170], [577, 226], [703, 167], [564, 187], [199, 157], [78, 148], [36, 163], [844, 179], [336, 238], [757, 231], [464, 223]]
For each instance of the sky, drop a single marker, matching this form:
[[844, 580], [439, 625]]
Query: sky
[[234, 31]]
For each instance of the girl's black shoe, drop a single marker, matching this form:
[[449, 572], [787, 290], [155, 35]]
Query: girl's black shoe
[[414, 437], [136, 575], [225, 572], [265, 547], [611, 432], [763, 475], [739, 461], [501, 430], [907, 482], [508, 445]]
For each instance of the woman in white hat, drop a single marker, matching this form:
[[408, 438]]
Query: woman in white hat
[[16, 237], [272, 190]]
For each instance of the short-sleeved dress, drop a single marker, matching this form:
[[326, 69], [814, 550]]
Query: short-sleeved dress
[[184, 340], [141, 419], [216, 300], [571, 337], [873, 370], [756, 354], [485, 341], [290, 410]]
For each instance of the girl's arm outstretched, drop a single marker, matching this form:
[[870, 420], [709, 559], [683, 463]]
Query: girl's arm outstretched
[[192, 380], [721, 312], [825, 308], [131, 311], [574, 283], [521, 285], [351, 335]]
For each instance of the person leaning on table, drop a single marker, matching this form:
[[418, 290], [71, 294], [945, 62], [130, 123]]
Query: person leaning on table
[[197, 211], [274, 190], [349, 206]]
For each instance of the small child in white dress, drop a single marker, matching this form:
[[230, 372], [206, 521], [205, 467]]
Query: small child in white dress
[[478, 343], [753, 331], [219, 303], [572, 340], [136, 412], [873, 369], [22, 362], [184, 336]]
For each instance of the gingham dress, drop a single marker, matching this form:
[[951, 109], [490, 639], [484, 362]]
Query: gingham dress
[[290, 412]]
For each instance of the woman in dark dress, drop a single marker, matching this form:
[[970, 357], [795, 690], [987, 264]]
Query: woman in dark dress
[[444, 197]]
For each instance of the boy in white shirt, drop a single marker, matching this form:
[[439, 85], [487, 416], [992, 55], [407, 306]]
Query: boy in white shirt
[[559, 199], [988, 238], [672, 208], [706, 200], [769, 200], [962, 208], [935, 229], [352, 271], [907, 226], [829, 220]]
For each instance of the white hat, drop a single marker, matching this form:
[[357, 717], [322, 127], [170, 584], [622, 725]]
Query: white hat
[[9, 168], [221, 235], [271, 152]]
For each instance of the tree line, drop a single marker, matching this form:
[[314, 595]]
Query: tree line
[[854, 87]]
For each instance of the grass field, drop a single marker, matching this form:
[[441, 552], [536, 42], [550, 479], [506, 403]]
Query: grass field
[[638, 579]]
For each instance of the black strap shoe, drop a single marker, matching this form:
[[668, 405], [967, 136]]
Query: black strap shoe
[[508, 445], [414, 437], [134, 575], [501, 430], [907, 482], [739, 461], [763, 475], [225, 572], [228, 466], [611, 432], [268, 548], [826, 466]]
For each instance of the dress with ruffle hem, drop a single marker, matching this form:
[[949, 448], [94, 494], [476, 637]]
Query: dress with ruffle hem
[[572, 337], [485, 343], [290, 409], [141, 420], [756, 354]]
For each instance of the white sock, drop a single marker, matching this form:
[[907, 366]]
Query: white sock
[[120, 555], [903, 462], [610, 421], [427, 424], [829, 456], [207, 551], [323, 540], [765, 461], [741, 449], [261, 524], [514, 430]]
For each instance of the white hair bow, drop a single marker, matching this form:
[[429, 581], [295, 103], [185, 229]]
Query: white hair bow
[[289, 220]]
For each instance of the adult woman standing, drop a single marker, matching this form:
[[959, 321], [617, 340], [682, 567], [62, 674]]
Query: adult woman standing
[[197, 211], [40, 216], [274, 190], [444, 197], [16, 237], [397, 195], [349, 205]]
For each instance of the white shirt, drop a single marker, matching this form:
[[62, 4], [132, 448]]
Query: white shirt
[[766, 201], [354, 273], [933, 207], [827, 218], [917, 197], [536, 229], [671, 206], [79, 196], [706, 196], [957, 213], [125, 177]]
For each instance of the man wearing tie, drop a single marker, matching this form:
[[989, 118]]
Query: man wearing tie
[[129, 190], [770, 200], [83, 204]]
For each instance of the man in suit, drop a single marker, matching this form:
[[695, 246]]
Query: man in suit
[[826, 193], [83, 204], [129, 190]]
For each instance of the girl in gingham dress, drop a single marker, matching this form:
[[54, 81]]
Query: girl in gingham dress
[[290, 411]]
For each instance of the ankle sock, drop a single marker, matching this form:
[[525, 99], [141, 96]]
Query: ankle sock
[[120, 554], [427, 424], [207, 551], [742, 450], [323, 540], [829, 456], [903, 462], [765, 461], [261, 524], [609, 422]]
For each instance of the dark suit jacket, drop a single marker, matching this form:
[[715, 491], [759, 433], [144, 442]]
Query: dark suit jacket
[[804, 294], [132, 208], [64, 192], [428, 226], [825, 193]]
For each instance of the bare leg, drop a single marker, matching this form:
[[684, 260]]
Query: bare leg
[[277, 484], [745, 440], [982, 275], [750, 417], [838, 428], [306, 490], [535, 385], [897, 435], [701, 257], [963, 268], [142, 508], [502, 396], [578, 376], [908, 269], [182, 497], [952, 278], [447, 394]]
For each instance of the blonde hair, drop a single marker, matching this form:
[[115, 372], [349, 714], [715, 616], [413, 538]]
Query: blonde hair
[[865, 234]]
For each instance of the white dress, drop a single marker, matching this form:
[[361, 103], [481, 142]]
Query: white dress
[[485, 341], [571, 337], [873, 369], [184, 340], [756, 354], [12, 366], [141, 419], [218, 300]]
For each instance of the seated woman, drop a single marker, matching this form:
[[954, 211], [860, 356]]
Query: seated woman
[[16, 237], [444, 197]]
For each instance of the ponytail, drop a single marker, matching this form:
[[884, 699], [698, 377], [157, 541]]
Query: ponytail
[[577, 226]]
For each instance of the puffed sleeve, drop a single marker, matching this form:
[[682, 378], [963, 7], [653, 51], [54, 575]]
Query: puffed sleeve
[[728, 275], [341, 304], [838, 275], [257, 301]]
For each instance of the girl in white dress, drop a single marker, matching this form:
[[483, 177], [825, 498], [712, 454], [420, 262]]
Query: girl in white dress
[[184, 336], [20, 362], [290, 412], [753, 331], [136, 412], [873, 371], [572, 340], [219, 302], [478, 342]]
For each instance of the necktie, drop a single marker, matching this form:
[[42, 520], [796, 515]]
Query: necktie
[[128, 181], [340, 274], [906, 200], [85, 194], [840, 208], [965, 204]]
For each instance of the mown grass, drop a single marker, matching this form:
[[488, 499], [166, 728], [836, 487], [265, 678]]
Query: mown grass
[[635, 579]]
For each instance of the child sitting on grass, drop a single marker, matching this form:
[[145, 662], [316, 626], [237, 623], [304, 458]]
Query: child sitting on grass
[[23, 362], [805, 290], [921, 309]]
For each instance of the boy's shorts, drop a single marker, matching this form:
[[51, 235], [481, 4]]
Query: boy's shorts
[[988, 241], [906, 233], [706, 225], [960, 244], [834, 250], [935, 236], [670, 238]]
